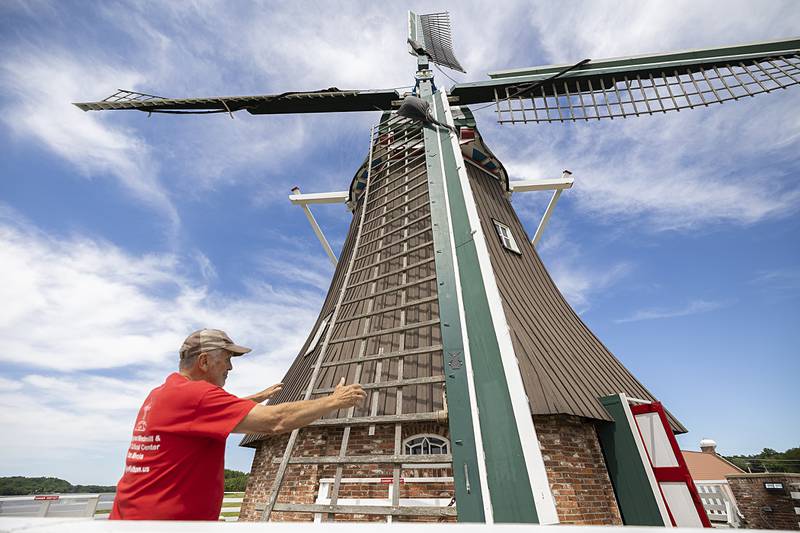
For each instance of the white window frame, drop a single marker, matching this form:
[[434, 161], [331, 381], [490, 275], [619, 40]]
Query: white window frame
[[417, 466], [318, 335], [506, 237]]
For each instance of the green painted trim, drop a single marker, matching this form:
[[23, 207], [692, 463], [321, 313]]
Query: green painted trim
[[637, 503], [687, 57], [469, 503], [507, 474], [618, 68]]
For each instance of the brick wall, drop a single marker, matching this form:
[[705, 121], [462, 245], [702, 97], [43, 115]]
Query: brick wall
[[576, 470], [302, 482], [763, 509], [573, 460]]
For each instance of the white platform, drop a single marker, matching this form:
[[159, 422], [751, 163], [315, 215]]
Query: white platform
[[81, 525]]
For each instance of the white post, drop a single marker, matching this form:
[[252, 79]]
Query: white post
[[317, 230]]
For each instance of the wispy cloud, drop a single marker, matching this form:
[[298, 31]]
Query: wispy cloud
[[88, 329], [692, 308], [39, 87]]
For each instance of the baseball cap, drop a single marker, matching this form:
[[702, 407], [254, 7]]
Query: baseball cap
[[205, 340]]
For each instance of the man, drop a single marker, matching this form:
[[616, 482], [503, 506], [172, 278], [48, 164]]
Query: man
[[174, 466]]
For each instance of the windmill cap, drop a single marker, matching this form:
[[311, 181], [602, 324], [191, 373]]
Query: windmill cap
[[205, 340]]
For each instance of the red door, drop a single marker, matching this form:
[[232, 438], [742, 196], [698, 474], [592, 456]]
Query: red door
[[673, 478]]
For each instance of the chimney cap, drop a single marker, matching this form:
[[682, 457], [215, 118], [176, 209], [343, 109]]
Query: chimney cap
[[708, 444]]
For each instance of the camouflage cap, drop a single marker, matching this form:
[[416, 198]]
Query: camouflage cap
[[205, 340]]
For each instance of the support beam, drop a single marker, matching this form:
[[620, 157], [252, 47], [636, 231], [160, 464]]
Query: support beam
[[564, 182], [565, 177], [317, 230], [335, 197]]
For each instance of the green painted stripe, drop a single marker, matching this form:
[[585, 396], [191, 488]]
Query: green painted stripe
[[637, 503], [469, 502], [507, 474]]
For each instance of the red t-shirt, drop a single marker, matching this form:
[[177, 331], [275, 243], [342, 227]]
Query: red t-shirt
[[174, 466]]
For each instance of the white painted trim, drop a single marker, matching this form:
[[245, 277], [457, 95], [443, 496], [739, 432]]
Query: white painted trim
[[548, 184], [651, 477], [476, 426], [537, 475], [336, 197], [476, 165]]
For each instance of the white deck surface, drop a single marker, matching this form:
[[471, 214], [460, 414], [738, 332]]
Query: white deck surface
[[81, 525]]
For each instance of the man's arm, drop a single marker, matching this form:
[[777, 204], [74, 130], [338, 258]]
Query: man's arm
[[284, 417], [265, 394]]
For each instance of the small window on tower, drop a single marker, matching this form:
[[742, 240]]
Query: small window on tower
[[426, 445], [318, 335], [506, 237]]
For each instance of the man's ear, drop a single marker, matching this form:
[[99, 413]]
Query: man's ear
[[202, 361]]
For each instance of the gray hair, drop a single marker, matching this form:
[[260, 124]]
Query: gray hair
[[188, 361]]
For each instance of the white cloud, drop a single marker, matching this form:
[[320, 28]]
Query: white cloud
[[41, 85], [692, 308], [89, 329]]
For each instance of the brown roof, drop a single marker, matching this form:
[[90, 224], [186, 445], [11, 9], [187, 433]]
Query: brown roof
[[708, 466], [565, 368]]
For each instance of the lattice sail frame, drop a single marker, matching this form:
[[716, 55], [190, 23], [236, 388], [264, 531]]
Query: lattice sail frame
[[564, 99]]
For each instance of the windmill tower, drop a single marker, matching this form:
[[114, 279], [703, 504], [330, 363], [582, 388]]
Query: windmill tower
[[489, 399]]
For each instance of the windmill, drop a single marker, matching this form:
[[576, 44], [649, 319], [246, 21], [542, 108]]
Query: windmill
[[489, 399]]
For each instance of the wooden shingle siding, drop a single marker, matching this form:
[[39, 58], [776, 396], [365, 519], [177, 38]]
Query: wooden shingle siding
[[390, 301], [565, 368]]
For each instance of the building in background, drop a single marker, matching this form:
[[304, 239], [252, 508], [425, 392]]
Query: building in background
[[709, 471]]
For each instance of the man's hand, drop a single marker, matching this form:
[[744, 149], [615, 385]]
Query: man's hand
[[347, 395], [265, 394]]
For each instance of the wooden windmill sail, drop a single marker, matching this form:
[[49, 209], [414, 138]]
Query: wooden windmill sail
[[489, 399]]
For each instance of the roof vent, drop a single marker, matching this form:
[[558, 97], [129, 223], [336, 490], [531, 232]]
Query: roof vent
[[708, 446]]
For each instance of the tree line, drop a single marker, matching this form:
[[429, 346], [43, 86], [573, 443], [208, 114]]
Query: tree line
[[235, 481], [768, 460]]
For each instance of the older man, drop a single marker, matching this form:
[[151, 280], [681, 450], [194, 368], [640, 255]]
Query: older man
[[174, 466]]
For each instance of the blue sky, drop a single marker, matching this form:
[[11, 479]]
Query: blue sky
[[122, 233]]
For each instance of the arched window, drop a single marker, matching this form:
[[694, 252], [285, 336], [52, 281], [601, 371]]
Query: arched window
[[426, 445]]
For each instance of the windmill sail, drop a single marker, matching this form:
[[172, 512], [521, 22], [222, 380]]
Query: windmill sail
[[429, 35], [634, 86], [325, 101]]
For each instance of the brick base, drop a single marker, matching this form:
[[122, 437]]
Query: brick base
[[573, 461], [576, 471], [767, 509], [301, 483]]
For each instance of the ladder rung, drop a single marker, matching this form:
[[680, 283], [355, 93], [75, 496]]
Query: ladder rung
[[415, 197], [395, 219], [395, 256], [391, 384], [365, 509], [388, 290], [391, 355], [395, 230], [380, 419], [393, 272], [395, 243], [377, 312], [369, 459], [398, 329]]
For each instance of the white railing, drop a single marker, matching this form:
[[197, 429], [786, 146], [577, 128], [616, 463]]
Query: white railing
[[87, 505], [50, 505]]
